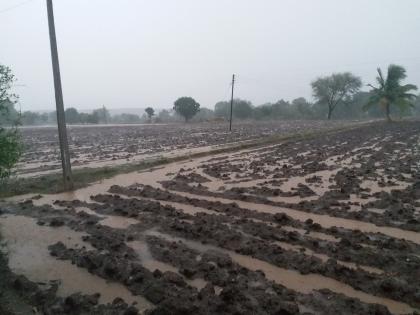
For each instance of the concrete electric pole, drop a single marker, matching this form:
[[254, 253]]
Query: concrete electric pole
[[61, 120], [231, 104]]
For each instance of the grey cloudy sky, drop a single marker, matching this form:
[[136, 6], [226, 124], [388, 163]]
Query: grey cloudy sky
[[136, 53]]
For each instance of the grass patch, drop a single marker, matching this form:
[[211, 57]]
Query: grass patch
[[53, 183]]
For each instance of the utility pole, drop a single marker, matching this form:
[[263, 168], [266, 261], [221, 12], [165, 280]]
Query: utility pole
[[61, 120], [231, 104]]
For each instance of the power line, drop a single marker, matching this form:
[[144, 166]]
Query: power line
[[15, 6]]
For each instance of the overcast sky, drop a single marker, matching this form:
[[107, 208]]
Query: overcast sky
[[137, 53]]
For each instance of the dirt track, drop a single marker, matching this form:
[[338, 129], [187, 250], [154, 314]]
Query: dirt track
[[322, 226]]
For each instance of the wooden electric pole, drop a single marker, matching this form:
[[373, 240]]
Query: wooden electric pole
[[61, 120], [231, 104]]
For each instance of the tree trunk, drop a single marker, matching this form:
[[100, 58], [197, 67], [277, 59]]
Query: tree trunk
[[329, 112], [388, 112]]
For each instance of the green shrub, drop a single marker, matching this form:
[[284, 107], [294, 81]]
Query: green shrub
[[10, 145]]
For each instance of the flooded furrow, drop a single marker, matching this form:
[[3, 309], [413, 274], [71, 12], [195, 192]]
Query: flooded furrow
[[152, 264], [325, 221], [27, 252], [293, 279], [325, 258]]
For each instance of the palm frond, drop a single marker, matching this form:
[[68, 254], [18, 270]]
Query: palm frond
[[408, 87], [373, 101], [395, 75], [373, 87], [380, 78], [404, 104]]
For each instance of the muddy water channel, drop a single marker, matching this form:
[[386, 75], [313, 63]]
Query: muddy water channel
[[328, 225], [27, 251]]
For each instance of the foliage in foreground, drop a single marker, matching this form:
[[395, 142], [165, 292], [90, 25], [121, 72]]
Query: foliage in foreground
[[10, 147], [10, 151], [390, 92]]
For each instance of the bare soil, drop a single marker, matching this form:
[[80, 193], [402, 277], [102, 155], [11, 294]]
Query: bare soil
[[110, 145], [328, 225]]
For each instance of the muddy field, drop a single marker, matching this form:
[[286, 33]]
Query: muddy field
[[329, 225], [97, 146]]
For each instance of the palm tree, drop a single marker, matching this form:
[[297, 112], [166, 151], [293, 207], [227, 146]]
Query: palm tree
[[391, 92]]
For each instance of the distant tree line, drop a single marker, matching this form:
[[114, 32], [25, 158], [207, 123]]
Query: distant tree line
[[300, 108], [73, 116], [338, 96]]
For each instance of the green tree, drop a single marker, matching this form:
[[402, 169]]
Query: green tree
[[281, 110], [204, 114], [100, 116], [165, 116], [10, 147], [126, 119], [302, 108], [150, 112], [334, 89], [72, 116], [187, 107], [29, 118], [416, 109], [390, 92], [9, 115], [221, 109], [242, 109], [52, 118], [263, 111]]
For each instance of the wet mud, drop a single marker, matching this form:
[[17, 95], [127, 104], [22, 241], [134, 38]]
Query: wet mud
[[327, 225]]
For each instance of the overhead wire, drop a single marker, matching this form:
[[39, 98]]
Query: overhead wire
[[18, 5]]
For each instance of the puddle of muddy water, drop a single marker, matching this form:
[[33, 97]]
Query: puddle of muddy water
[[325, 221], [375, 188], [318, 235], [116, 222], [188, 209], [302, 283], [154, 177], [325, 258], [152, 264], [27, 249], [293, 279], [146, 258]]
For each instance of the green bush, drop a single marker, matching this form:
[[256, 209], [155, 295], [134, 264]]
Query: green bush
[[10, 145], [10, 151]]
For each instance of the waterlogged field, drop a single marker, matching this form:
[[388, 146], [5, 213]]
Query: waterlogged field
[[327, 225], [110, 145]]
